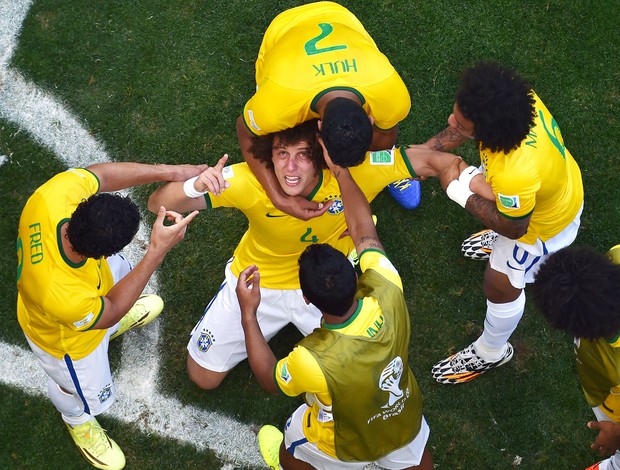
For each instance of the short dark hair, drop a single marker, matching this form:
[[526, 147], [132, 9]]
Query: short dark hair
[[499, 103], [103, 224], [327, 279], [346, 131], [578, 291], [307, 131]]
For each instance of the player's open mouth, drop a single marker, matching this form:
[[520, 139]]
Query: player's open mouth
[[292, 180]]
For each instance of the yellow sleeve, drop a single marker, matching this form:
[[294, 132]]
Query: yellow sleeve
[[379, 262], [298, 373]]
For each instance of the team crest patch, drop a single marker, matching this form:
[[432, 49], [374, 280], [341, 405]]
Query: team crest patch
[[105, 393], [382, 157], [509, 202], [336, 208], [205, 341], [284, 374]]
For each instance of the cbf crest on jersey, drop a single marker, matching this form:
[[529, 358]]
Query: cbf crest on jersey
[[336, 208]]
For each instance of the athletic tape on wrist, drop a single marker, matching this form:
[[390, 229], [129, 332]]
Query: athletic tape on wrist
[[189, 189], [458, 192], [469, 174]]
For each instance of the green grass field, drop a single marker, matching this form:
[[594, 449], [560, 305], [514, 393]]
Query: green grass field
[[160, 81]]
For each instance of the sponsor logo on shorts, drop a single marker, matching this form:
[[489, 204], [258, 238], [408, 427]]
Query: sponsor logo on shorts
[[205, 341], [105, 393], [336, 208], [382, 157], [509, 202]]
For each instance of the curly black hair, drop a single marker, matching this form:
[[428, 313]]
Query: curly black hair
[[327, 279], [499, 103], [308, 131], [103, 225], [346, 131], [577, 291]]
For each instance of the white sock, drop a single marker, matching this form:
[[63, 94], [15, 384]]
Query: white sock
[[500, 321]]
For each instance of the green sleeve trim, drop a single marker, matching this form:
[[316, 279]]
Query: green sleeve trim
[[60, 249], [275, 378], [368, 250], [208, 201], [98, 315], [403, 154], [518, 217], [327, 90], [96, 177], [248, 127]]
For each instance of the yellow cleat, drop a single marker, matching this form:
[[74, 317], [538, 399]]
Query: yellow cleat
[[146, 309], [269, 440], [96, 446]]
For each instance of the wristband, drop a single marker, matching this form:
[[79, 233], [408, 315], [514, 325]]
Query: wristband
[[458, 192], [190, 191], [469, 174]]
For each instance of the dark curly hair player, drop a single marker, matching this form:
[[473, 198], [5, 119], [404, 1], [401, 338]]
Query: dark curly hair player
[[103, 225], [577, 291], [531, 207], [76, 292], [499, 103]]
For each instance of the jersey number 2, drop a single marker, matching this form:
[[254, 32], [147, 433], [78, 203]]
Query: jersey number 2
[[326, 30]]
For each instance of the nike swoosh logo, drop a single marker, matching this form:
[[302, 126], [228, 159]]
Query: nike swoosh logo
[[274, 215]]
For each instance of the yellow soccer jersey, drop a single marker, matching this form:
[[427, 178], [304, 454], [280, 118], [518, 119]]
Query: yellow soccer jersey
[[300, 373], [274, 240], [58, 301], [310, 50], [540, 178], [598, 365]]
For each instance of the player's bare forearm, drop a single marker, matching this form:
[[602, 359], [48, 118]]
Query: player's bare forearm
[[260, 356], [446, 140], [382, 140], [358, 215], [121, 175], [486, 212], [172, 196]]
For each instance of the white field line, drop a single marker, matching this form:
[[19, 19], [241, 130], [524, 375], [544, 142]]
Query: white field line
[[138, 400]]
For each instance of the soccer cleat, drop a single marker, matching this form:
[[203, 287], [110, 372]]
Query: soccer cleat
[[479, 245], [269, 440], [466, 365], [96, 446], [407, 192], [146, 309]]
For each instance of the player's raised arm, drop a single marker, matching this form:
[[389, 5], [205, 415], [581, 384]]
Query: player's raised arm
[[121, 175], [358, 215], [189, 195]]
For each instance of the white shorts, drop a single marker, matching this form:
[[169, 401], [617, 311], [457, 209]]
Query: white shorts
[[217, 342], [296, 443], [521, 261], [89, 379]]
